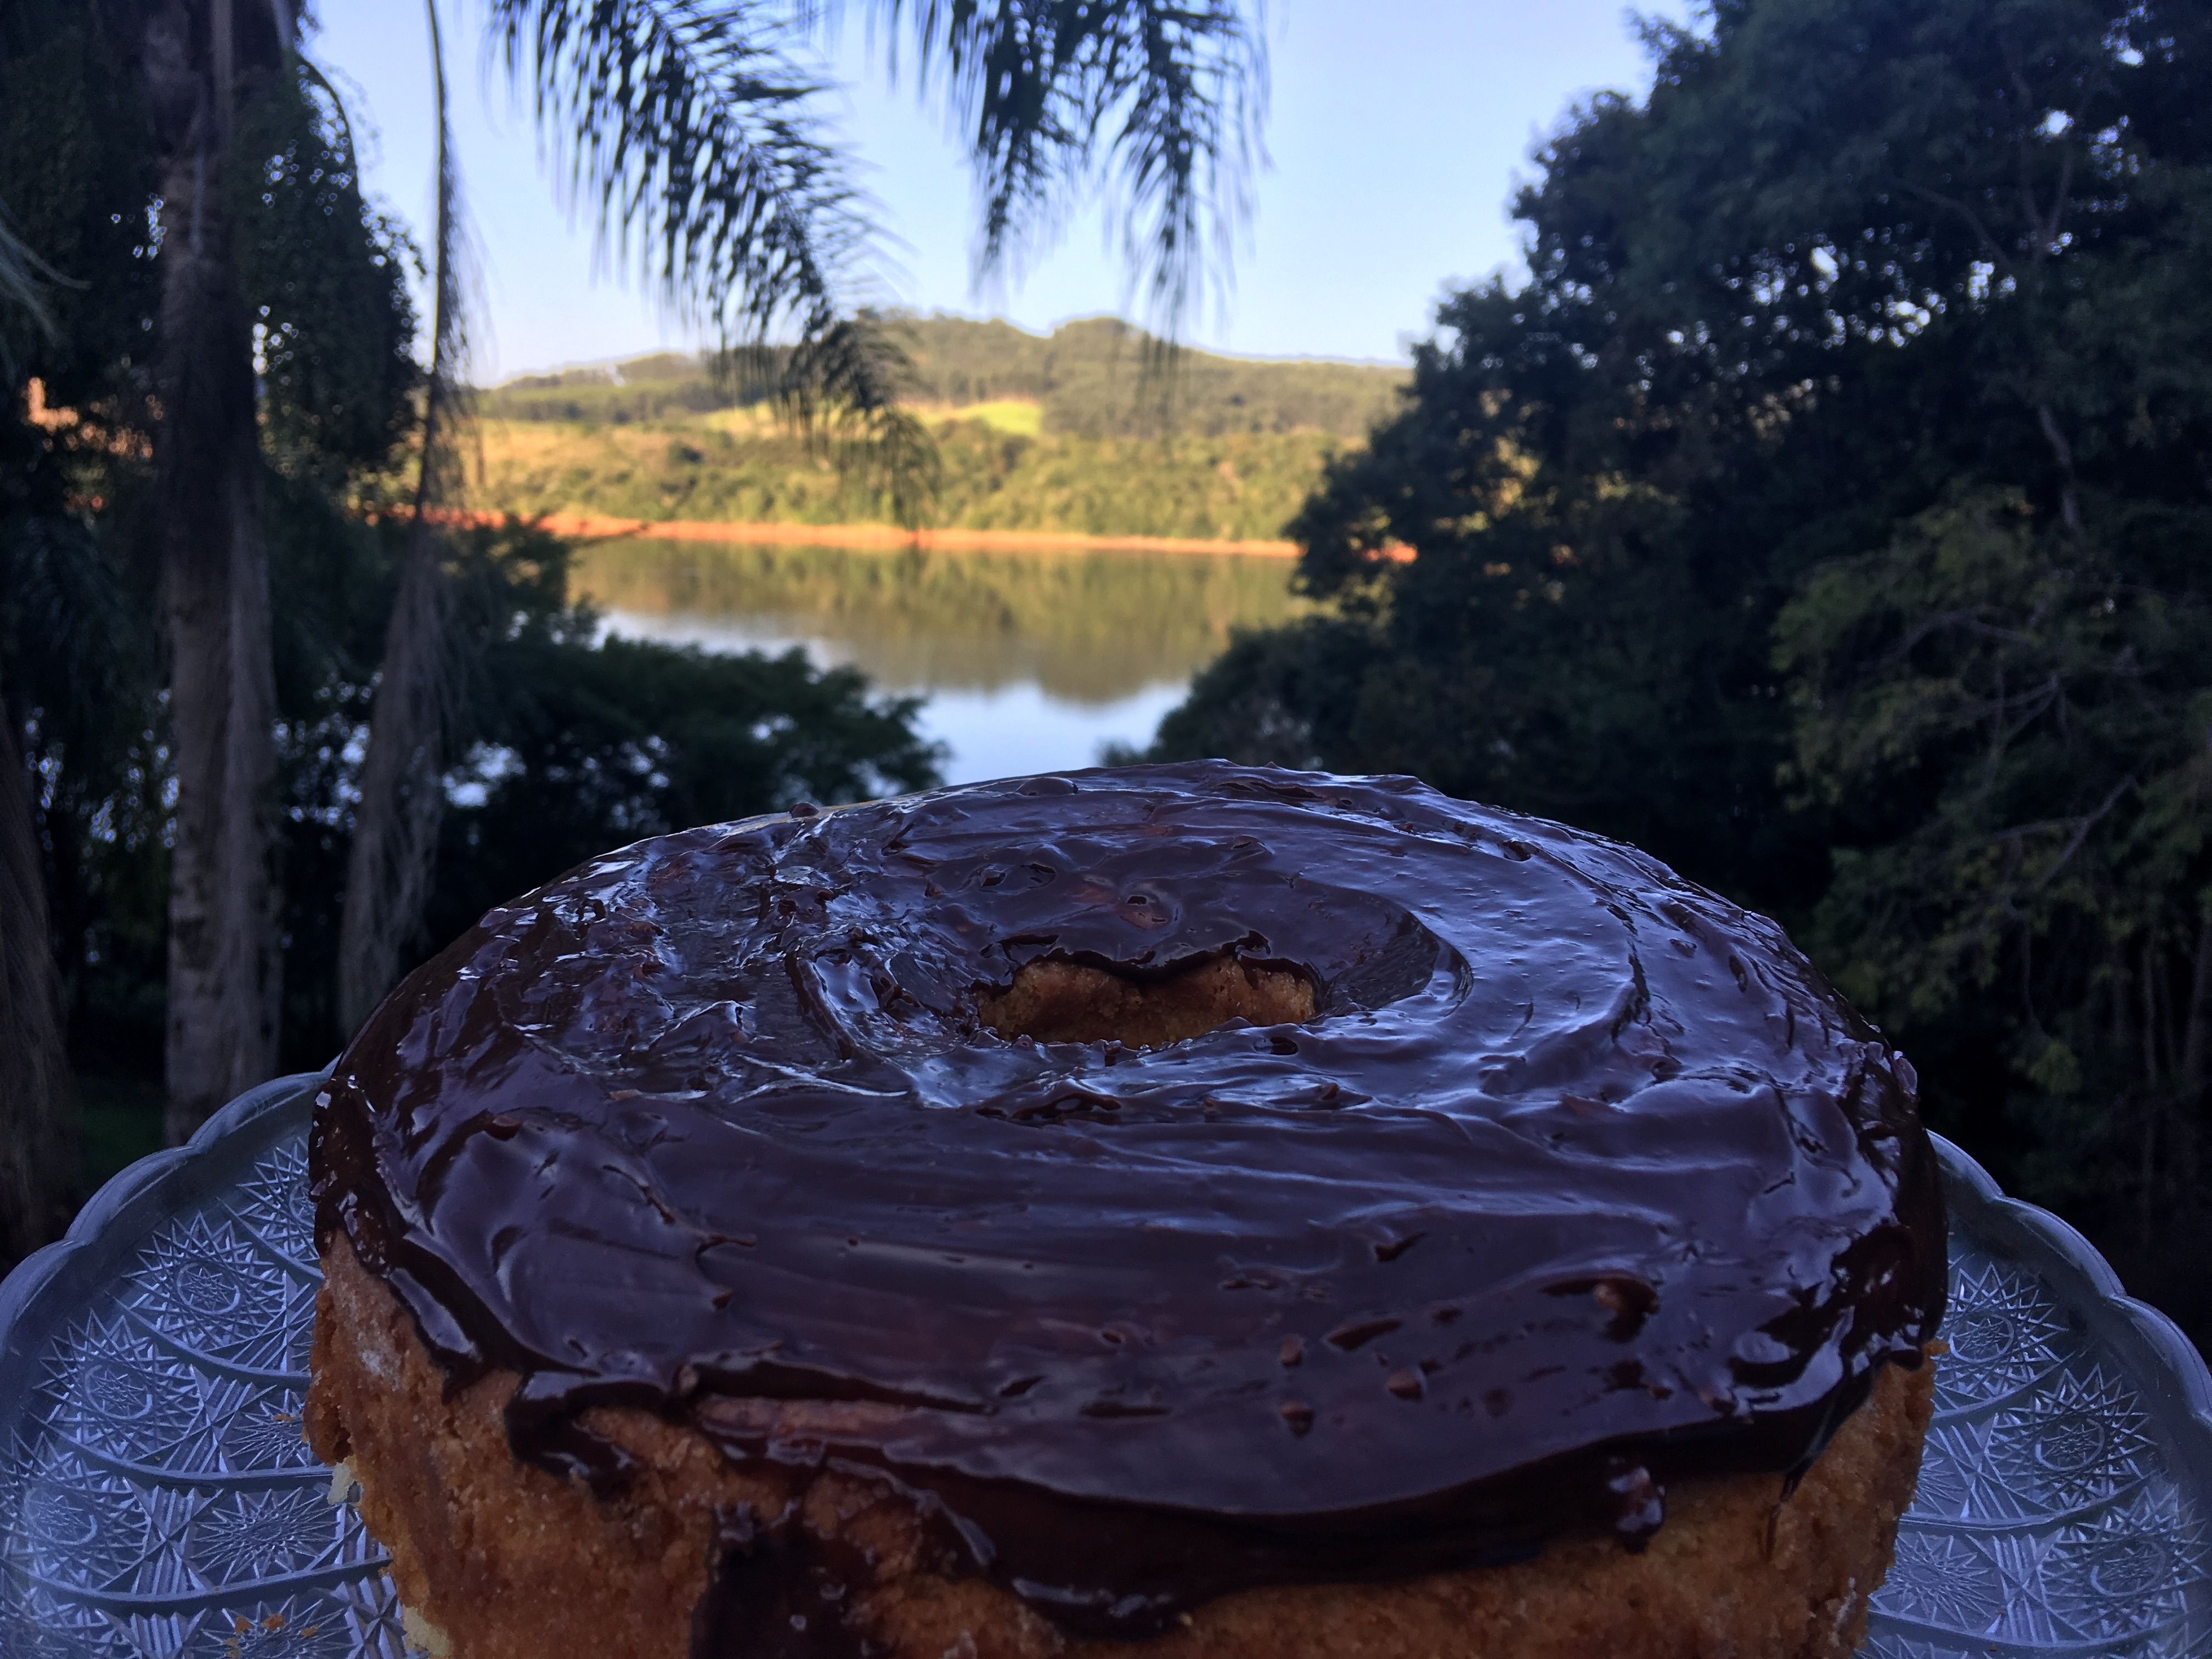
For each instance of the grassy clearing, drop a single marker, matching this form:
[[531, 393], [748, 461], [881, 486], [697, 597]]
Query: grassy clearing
[[733, 466]]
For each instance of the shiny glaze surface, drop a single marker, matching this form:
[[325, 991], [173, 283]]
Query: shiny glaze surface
[[1581, 1180]]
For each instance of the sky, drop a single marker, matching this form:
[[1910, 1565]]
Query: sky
[[1397, 131]]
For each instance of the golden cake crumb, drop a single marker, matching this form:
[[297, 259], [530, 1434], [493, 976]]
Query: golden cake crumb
[[506, 1562]]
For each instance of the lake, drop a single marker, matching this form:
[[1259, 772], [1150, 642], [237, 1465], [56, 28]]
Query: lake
[[1031, 662]]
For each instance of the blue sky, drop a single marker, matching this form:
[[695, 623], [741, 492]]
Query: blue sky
[[1399, 128]]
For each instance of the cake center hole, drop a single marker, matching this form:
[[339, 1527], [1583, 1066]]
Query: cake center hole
[[1056, 1001]]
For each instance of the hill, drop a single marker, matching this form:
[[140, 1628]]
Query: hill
[[1093, 378], [733, 466], [1082, 430]]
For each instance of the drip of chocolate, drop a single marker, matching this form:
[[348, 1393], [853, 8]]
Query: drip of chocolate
[[1578, 1181]]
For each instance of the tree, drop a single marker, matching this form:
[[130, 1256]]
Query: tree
[[68, 651], [202, 62], [580, 743], [77, 494], [23, 278], [683, 126], [686, 127], [36, 1183], [2037, 703], [1825, 513], [395, 840], [321, 274]]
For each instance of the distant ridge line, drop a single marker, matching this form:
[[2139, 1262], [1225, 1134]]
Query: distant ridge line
[[594, 527]]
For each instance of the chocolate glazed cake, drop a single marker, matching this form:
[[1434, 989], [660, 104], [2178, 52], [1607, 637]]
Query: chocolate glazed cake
[[1169, 1211]]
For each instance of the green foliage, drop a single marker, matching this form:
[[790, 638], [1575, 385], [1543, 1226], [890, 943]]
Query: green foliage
[[1099, 378], [76, 182], [76, 658], [1582, 631], [2014, 728], [1827, 514], [569, 745], [690, 133], [643, 389], [23, 280], [326, 276], [595, 744], [1237, 487]]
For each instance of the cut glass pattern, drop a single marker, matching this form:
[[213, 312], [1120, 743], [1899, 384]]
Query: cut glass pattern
[[157, 1501]]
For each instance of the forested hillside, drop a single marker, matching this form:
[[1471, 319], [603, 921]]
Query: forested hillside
[[733, 467], [1829, 515], [1095, 378], [1087, 430]]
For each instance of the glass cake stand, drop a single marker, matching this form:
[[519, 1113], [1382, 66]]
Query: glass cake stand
[[156, 1501]]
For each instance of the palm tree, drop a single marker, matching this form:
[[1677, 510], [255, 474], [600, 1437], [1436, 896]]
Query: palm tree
[[683, 124], [200, 62], [395, 841], [686, 128], [23, 278]]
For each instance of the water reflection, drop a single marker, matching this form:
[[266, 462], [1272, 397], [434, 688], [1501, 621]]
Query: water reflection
[[1029, 661]]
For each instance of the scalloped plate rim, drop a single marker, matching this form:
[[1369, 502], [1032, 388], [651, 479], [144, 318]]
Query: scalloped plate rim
[[2158, 1356], [2173, 1359], [141, 1182], [2178, 1354]]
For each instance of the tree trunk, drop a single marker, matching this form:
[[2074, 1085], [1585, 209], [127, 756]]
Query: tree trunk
[[39, 1172], [395, 840], [394, 855], [225, 964]]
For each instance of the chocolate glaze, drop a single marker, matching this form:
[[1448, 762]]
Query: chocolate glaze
[[1581, 1180]]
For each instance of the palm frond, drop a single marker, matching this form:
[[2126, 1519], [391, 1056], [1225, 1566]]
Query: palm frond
[[23, 280], [687, 130], [841, 386], [1159, 103], [341, 116], [684, 127]]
